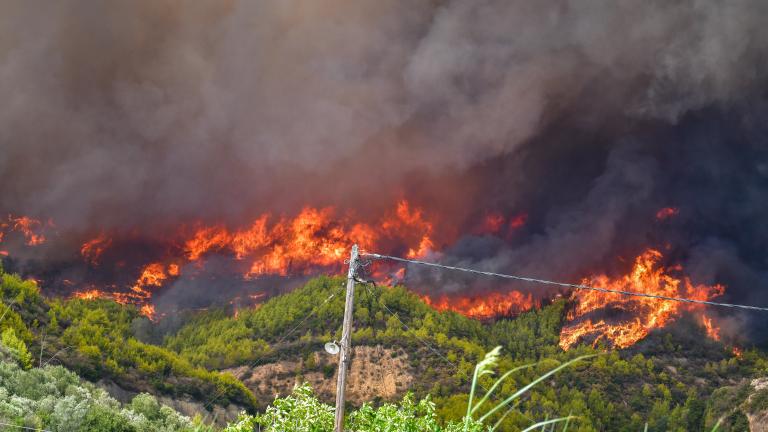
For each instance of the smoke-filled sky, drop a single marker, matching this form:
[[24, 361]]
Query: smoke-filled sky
[[588, 115], [122, 111]]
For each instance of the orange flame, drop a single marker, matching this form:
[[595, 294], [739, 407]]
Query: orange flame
[[30, 228], [316, 238], [92, 249], [148, 310], [647, 276], [712, 330], [484, 307], [92, 294]]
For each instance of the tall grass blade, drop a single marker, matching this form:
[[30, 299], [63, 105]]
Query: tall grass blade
[[497, 383], [533, 383], [512, 408], [567, 422], [485, 367], [717, 425], [544, 423]]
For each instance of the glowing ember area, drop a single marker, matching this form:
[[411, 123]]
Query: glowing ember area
[[492, 223], [667, 212], [91, 294], [496, 223], [738, 352], [92, 249], [487, 306], [712, 330], [148, 310], [638, 315], [518, 221], [30, 228]]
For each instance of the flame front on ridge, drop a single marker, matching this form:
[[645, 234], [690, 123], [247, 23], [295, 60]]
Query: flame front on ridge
[[639, 315]]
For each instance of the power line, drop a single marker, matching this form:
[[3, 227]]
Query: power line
[[563, 284], [425, 343]]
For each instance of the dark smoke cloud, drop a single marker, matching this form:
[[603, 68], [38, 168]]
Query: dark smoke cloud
[[589, 115], [128, 112]]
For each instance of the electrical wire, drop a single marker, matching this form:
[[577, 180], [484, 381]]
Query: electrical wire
[[422, 340], [563, 284]]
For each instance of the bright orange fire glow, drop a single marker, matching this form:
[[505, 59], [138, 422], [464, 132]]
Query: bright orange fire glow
[[647, 276], [315, 239], [92, 249], [738, 352], [92, 294], [495, 223], [487, 306], [712, 330], [148, 310], [30, 228]]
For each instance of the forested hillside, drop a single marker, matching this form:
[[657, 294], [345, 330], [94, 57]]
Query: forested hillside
[[676, 379], [669, 380]]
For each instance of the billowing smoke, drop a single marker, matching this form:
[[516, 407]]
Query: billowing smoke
[[588, 116]]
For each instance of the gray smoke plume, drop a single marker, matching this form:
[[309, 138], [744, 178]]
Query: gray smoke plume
[[588, 115], [133, 112]]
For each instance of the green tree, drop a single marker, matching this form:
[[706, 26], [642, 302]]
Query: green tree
[[17, 348]]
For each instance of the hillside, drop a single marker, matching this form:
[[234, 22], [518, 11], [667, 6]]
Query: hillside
[[666, 379], [97, 340], [676, 379]]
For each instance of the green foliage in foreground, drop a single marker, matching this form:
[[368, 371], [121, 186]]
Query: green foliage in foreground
[[95, 338], [303, 412], [56, 399]]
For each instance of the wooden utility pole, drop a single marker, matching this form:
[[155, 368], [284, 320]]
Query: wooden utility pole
[[346, 340]]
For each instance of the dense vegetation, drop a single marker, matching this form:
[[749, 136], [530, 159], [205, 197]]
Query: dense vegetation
[[95, 339], [675, 380], [56, 399], [666, 380]]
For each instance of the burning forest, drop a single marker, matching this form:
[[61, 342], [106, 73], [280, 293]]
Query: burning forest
[[176, 169]]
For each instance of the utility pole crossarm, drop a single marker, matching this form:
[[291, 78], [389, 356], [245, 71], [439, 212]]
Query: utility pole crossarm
[[346, 339]]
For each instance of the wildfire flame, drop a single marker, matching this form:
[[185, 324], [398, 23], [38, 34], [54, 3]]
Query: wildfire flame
[[29, 227], [496, 223], [92, 249], [647, 276], [318, 239], [491, 305], [315, 239], [91, 294], [709, 326]]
